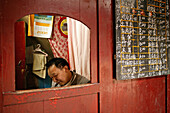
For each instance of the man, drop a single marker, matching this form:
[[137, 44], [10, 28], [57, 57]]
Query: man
[[59, 71]]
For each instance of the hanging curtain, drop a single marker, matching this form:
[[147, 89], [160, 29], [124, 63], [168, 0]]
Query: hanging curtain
[[79, 47], [58, 42]]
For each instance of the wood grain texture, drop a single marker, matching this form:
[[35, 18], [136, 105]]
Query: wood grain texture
[[168, 94], [147, 95], [36, 107], [77, 104]]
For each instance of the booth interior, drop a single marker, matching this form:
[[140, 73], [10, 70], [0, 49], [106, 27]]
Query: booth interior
[[46, 37]]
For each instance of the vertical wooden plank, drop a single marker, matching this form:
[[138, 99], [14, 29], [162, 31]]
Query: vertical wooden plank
[[168, 83], [105, 41], [77, 104], [20, 55], [7, 41], [168, 94], [36, 107], [1, 20], [106, 55]]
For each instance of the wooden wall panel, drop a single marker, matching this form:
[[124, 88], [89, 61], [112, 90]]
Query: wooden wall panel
[[20, 78], [147, 95], [31, 101], [77, 104], [36, 107], [140, 95], [168, 94], [7, 48], [49, 93], [1, 103], [106, 56], [20, 100]]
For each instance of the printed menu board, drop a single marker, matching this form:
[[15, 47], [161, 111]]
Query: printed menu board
[[142, 34]]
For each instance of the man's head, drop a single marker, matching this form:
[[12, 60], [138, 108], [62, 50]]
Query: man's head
[[59, 70]]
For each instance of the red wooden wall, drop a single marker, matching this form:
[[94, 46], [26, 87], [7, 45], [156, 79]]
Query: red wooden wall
[[20, 55], [168, 94], [83, 98], [147, 95], [1, 102]]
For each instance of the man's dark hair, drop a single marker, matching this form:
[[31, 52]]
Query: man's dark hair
[[59, 63]]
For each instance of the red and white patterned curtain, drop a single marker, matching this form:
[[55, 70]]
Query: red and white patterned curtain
[[59, 42], [77, 42]]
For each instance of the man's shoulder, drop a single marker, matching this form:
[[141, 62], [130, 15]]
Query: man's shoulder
[[79, 79]]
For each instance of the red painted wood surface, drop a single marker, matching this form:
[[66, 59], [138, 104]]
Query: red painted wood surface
[[144, 95], [19, 97], [20, 55], [68, 105], [106, 56], [77, 104], [36, 107], [64, 7], [147, 95], [7, 48], [15, 101], [168, 94], [1, 102]]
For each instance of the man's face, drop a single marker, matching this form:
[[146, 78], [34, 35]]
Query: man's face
[[60, 76]]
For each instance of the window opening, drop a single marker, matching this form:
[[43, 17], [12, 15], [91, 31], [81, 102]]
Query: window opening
[[47, 37]]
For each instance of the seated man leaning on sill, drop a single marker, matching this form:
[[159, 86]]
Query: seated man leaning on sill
[[59, 71]]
